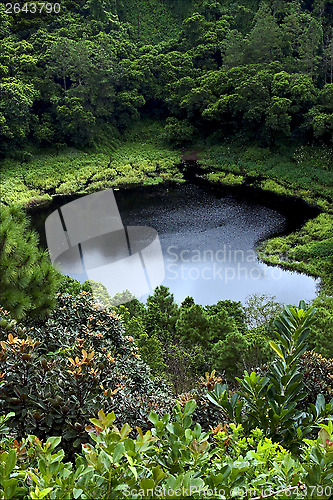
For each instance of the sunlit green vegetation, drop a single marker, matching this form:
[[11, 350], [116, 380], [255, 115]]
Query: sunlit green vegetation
[[309, 250], [261, 418], [302, 171], [108, 93], [137, 159]]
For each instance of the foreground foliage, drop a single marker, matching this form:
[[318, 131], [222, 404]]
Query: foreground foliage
[[58, 374], [272, 401], [172, 460], [264, 442]]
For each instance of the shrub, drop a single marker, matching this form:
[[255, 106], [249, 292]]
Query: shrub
[[28, 281], [228, 179], [273, 401], [261, 309], [229, 354], [178, 131], [70, 286], [58, 374], [317, 376], [173, 458]]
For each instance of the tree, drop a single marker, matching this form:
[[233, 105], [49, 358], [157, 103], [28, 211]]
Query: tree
[[187, 302], [162, 313], [229, 354], [76, 121], [253, 97], [311, 42], [220, 325], [6, 22], [234, 310], [261, 309], [212, 9], [196, 325], [265, 41], [59, 60], [303, 94], [150, 347], [193, 326], [101, 10], [233, 47], [242, 17], [127, 104], [258, 348], [194, 27], [321, 115], [292, 28], [178, 131], [16, 102], [28, 282], [281, 84], [277, 116], [328, 57]]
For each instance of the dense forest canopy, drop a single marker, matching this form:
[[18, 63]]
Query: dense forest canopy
[[111, 93], [259, 71]]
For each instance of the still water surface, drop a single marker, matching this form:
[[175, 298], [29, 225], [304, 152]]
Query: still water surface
[[208, 243]]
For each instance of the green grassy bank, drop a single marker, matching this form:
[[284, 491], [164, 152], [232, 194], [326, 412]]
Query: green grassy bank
[[304, 172], [301, 171], [139, 158]]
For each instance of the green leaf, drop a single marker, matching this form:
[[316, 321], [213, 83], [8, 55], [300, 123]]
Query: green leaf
[[147, 484], [153, 417], [134, 472], [320, 403], [10, 462], [277, 349], [129, 446], [125, 430], [323, 435], [212, 399], [118, 452], [190, 406], [105, 459], [53, 442], [9, 487], [158, 474], [44, 492]]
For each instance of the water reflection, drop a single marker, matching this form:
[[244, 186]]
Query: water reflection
[[208, 243]]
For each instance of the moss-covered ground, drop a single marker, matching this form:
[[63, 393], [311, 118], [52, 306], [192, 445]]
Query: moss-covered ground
[[141, 157]]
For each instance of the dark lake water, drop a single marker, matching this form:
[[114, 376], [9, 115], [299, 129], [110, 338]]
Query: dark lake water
[[208, 241]]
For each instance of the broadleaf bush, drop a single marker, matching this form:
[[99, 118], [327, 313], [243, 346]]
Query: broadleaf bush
[[59, 374]]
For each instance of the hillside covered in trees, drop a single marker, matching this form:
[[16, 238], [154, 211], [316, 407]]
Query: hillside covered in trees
[[260, 71], [228, 400]]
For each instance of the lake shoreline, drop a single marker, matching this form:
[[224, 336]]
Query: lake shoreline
[[208, 240], [150, 163]]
